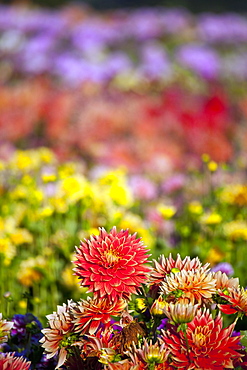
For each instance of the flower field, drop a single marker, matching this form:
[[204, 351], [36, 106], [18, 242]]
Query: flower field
[[124, 134]]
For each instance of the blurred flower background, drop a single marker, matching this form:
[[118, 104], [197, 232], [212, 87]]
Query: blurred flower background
[[126, 116]]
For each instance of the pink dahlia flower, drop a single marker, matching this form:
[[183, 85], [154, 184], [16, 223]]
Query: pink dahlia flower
[[10, 362], [112, 264]]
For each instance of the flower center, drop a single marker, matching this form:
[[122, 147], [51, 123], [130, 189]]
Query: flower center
[[199, 338], [111, 256]]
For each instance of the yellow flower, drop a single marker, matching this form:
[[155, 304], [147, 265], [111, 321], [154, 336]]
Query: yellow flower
[[46, 155], [167, 212], [215, 255], [30, 271], [236, 230], [59, 204], [7, 249], [195, 208], [211, 219], [141, 304], [66, 170], [205, 158], [234, 194], [70, 280], [74, 188], [115, 185], [212, 166], [21, 236], [48, 177], [45, 212]]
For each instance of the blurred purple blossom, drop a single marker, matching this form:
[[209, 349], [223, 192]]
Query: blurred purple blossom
[[224, 267], [201, 59]]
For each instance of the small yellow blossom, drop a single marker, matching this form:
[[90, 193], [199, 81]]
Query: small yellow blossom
[[7, 249], [141, 304], [21, 236], [22, 304], [45, 212], [211, 219], [205, 158], [236, 230], [167, 212], [51, 177], [234, 194], [195, 208], [30, 271], [212, 166], [215, 256]]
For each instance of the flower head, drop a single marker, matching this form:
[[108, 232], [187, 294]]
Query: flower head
[[165, 266], [237, 299], [193, 287], [112, 264], [5, 327], [59, 336], [10, 362], [90, 314], [180, 313], [211, 346]]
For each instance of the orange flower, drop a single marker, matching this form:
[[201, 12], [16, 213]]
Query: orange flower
[[59, 336], [10, 362], [189, 286], [205, 344], [112, 264], [237, 299], [90, 314]]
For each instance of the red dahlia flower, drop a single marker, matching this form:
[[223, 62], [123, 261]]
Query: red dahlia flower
[[90, 314], [112, 264], [208, 345]]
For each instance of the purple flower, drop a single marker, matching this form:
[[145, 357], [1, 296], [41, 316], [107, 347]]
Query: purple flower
[[223, 28], [173, 183], [154, 61], [224, 267], [201, 59]]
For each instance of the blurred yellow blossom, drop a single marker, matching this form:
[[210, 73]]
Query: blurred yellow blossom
[[30, 271], [166, 212], [236, 230], [21, 236], [7, 249], [212, 166], [234, 194], [74, 188], [195, 207], [215, 255], [211, 219]]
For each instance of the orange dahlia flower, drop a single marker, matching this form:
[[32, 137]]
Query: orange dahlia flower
[[90, 314], [10, 362], [205, 344], [112, 264], [59, 336], [189, 286]]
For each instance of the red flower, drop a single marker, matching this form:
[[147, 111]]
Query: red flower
[[237, 299], [207, 346], [112, 264], [90, 314]]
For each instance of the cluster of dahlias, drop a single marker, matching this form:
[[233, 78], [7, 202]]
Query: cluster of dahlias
[[169, 316]]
